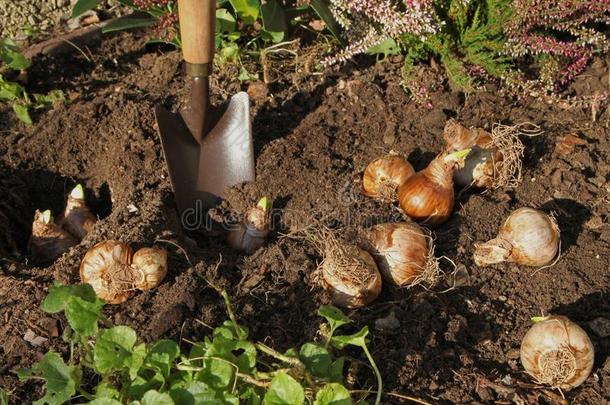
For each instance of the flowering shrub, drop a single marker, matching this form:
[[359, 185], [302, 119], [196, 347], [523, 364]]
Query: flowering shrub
[[562, 35], [479, 40], [368, 23]]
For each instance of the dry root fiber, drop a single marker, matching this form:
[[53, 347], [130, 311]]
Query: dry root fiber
[[496, 157], [347, 272]]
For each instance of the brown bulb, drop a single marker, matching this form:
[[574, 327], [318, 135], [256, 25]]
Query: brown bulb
[[78, 219], [48, 240], [384, 175], [404, 253], [107, 268], [427, 196], [151, 265]]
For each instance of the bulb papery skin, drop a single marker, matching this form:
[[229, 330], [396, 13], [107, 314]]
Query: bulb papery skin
[[107, 268], [427, 196], [557, 352], [249, 235], [458, 137], [478, 170], [48, 240], [528, 237], [384, 175], [351, 282], [480, 164], [401, 250], [77, 218], [151, 264]]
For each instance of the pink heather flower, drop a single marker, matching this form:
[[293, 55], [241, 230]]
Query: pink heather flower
[[370, 22], [529, 32]]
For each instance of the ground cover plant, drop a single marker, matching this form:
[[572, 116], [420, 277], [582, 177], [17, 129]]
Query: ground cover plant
[[225, 368], [11, 91]]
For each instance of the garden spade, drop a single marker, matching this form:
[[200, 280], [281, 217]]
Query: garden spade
[[206, 149]]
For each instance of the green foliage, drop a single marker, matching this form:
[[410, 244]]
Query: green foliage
[[225, 368], [13, 92], [471, 35], [3, 396]]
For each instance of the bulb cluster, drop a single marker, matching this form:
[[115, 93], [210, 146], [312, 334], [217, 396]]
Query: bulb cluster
[[50, 239], [555, 351]]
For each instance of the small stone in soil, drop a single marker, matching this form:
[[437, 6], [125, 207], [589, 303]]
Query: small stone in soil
[[387, 324], [33, 339]]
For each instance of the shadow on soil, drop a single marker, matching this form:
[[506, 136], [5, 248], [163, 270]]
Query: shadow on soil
[[43, 189], [571, 217], [592, 309]]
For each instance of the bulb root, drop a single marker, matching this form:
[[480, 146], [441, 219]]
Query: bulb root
[[508, 165], [556, 366]]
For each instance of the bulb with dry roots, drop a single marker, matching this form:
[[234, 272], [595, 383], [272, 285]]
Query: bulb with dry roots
[[384, 175], [251, 233], [404, 253], [495, 160], [348, 273], [107, 267], [78, 219], [48, 240], [528, 236], [115, 272], [557, 352], [427, 196]]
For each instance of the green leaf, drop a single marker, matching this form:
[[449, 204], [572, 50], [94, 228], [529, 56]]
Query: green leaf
[[122, 24], [386, 48], [142, 384], [47, 100], [84, 5], [83, 315], [105, 401], [357, 339], [322, 10], [162, 355], [105, 390], [217, 372], [113, 349], [3, 396], [153, 397], [225, 22], [12, 56], [59, 295], [82, 307], [333, 394], [247, 10], [11, 90], [199, 393], [245, 76], [335, 317], [60, 384], [284, 390], [317, 360], [22, 113], [274, 20]]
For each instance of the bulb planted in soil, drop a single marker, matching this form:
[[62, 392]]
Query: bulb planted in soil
[[251, 233], [78, 219], [48, 241]]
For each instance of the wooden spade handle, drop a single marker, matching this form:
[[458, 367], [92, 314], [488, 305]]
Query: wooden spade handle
[[197, 30]]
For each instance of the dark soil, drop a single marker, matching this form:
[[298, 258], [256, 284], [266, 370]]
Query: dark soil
[[314, 135]]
